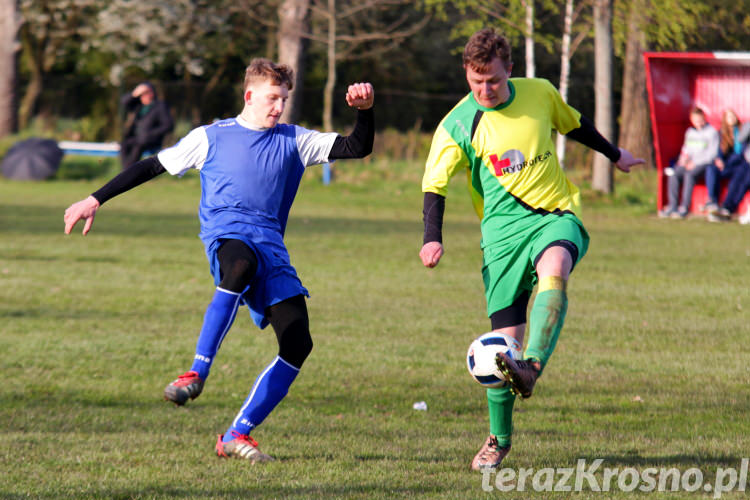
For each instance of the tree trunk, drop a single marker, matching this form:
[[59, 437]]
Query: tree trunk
[[34, 57], [603, 176], [635, 124], [292, 24], [28, 102], [10, 21], [271, 44], [565, 72], [331, 80], [529, 37], [193, 97]]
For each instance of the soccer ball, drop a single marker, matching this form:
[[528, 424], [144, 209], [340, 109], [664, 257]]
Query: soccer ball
[[480, 360]]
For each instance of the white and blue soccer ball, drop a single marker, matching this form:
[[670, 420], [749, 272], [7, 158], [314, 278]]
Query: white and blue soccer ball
[[480, 360]]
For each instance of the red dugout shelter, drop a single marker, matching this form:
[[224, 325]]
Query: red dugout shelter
[[678, 81]]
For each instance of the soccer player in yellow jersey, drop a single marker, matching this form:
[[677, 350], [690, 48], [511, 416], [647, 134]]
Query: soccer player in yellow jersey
[[501, 135]]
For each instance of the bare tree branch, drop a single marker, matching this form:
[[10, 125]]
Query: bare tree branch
[[369, 4], [580, 37], [353, 26], [386, 35], [321, 11], [500, 18], [585, 32], [348, 55]]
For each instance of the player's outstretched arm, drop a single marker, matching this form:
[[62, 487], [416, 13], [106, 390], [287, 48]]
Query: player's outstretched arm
[[627, 161], [136, 174], [587, 135], [84, 209]]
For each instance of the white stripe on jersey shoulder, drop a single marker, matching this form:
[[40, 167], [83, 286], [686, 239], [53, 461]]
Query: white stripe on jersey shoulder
[[313, 146], [190, 152]]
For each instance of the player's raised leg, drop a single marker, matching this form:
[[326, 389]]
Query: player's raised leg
[[545, 320], [291, 325], [238, 265], [217, 321]]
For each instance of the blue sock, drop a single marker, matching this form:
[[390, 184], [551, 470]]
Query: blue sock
[[216, 323], [270, 388]]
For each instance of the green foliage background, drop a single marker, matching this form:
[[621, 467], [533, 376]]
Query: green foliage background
[[416, 83]]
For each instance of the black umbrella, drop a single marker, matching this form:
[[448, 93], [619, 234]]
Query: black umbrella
[[32, 159]]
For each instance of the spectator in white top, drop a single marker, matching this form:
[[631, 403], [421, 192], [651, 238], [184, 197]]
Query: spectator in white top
[[699, 149]]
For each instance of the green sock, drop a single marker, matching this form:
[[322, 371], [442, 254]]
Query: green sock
[[546, 319], [500, 402]]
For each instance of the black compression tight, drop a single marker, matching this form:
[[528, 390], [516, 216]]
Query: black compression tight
[[290, 322], [288, 318], [238, 265]]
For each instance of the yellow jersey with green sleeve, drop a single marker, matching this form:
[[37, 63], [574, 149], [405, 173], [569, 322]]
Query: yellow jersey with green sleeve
[[509, 156]]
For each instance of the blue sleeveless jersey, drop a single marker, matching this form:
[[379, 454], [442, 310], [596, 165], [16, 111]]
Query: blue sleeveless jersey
[[248, 181]]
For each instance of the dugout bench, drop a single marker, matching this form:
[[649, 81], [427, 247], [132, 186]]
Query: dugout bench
[[679, 81]]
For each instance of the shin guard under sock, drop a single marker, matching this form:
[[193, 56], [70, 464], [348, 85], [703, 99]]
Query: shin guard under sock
[[269, 389], [546, 319], [216, 323]]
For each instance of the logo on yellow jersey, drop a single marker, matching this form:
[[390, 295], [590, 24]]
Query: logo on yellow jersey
[[513, 161]]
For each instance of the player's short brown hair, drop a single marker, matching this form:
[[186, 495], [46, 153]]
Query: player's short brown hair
[[484, 46], [262, 69], [697, 111]]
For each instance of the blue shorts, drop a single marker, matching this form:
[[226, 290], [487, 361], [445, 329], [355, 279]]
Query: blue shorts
[[275, 279]]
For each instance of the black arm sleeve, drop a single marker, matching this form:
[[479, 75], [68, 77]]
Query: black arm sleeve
[[128, 102], [359, 143], [434, 208], [135, 175], [587, 135]]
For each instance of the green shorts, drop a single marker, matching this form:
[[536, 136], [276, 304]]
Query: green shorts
[[508, 267]]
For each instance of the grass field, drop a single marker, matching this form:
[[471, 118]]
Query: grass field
[[651, 369]]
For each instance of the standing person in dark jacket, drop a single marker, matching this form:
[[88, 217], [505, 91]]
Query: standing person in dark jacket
[[147, 122]]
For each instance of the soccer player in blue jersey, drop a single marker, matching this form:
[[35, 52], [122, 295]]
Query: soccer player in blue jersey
[[250, 169]]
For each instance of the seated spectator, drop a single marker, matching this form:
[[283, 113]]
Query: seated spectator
[[147, 122], [698, 152], [732, 164]]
